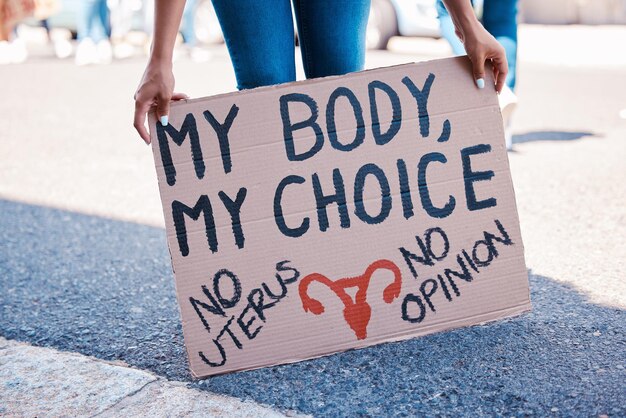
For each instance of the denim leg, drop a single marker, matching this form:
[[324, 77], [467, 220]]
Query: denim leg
[[85, 20], [104, 19], [447, 29], [500, 20], [93, 20], [187, 29], [332, 35], [260, 40]]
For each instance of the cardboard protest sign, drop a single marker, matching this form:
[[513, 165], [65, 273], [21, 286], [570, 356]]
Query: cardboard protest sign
[[313, 217]]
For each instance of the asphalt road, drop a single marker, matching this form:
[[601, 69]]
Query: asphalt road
[[84, 264], [104, 288]]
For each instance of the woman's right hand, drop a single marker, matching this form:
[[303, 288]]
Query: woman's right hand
[[155, 91]]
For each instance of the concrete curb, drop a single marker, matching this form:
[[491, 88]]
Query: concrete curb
[[42, 382]]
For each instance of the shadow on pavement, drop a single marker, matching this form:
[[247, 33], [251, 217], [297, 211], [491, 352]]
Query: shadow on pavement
[[104, 288], [551, 136]]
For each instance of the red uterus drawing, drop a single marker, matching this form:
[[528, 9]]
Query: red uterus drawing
[[356, 312]]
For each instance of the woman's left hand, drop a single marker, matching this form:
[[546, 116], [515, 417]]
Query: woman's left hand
[[480, 47]]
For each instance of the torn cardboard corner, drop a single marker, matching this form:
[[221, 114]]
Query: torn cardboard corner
[[314, 217]]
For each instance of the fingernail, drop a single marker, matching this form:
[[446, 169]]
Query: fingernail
[[165, 123], [480, 83]]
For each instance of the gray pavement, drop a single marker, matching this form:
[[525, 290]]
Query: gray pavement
[[43, 382], [84, 265]]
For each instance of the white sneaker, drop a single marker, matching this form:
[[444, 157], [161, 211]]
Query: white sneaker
[[105, 52], [13, 52], [19, 53], [61, 44], [508, 104], [5, 52], [508, 138], [123, 50], [86, 53], [198, 54], [62, 48]]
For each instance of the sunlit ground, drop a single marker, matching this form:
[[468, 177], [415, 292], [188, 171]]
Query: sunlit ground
[[67, 142]]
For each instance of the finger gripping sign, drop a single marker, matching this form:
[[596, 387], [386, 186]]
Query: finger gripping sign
[[313, 217]]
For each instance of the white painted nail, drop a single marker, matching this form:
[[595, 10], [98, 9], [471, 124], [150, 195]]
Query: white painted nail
[[164, 121]]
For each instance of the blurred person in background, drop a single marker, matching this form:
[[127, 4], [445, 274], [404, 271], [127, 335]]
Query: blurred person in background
[[260, 41], [61, 44], [44, 9], [121, 12], [12, 12], [15, 51], [499, 17], [94, 33], [188, 32]]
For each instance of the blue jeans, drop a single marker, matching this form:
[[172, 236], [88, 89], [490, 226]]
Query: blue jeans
[[187, 29], [93, 20], [260, 38], [500, 20]]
